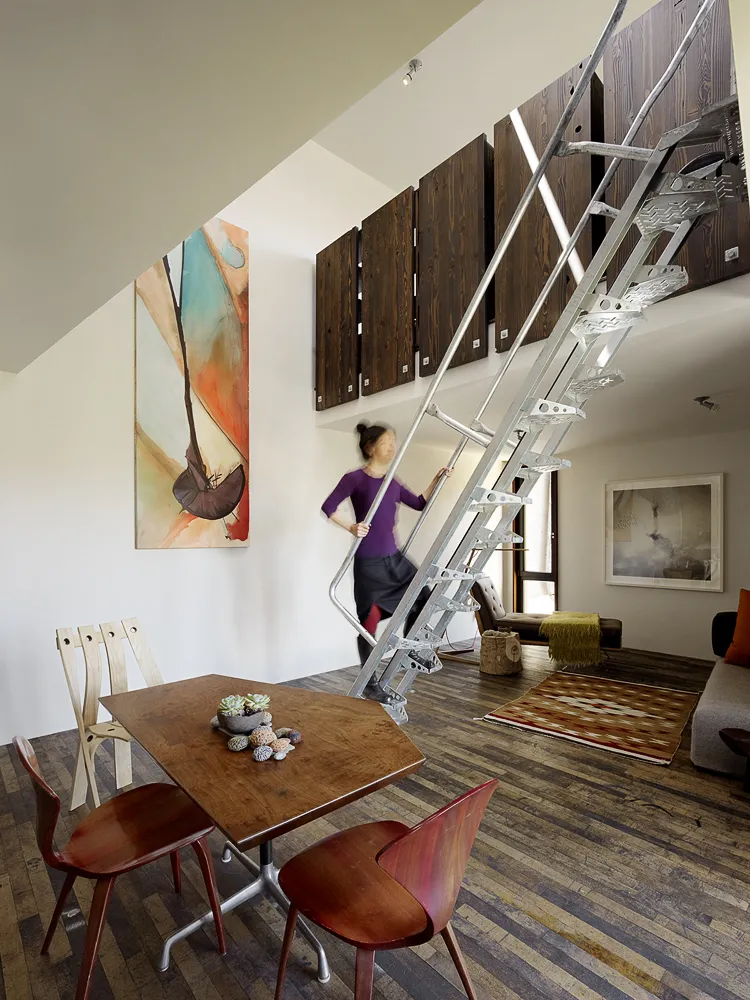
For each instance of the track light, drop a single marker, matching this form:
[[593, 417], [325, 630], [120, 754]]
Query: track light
[[707, 402], [414, 67]]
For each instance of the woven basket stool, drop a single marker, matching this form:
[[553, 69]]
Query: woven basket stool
[[500, 653]]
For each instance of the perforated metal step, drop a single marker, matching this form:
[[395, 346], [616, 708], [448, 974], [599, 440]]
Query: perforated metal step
[[549, 411], [445, 603], [591, 380], [423, 644], [482, 499], [679, 198], [721, 123], [486, 538], [542, 463], [604, 314], [654, 283]]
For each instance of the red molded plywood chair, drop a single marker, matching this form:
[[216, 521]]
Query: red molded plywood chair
[[129, 831], [383, 885]]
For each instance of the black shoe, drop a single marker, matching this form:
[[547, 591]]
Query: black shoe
[[376, 692]]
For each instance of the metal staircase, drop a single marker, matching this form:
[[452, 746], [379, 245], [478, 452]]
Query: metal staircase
[[575, 361]]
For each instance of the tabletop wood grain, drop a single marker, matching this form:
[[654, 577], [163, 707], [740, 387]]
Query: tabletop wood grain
[[350, 748]]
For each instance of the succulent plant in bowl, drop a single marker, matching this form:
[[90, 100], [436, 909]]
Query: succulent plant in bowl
[[256, 703], [231, 715]]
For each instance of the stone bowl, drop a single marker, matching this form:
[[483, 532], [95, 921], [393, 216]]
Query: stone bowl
[[239, 723]]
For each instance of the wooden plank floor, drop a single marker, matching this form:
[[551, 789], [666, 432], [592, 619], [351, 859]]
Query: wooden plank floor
[[593, 875]]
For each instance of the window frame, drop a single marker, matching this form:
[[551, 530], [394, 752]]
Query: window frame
[[520, 573]]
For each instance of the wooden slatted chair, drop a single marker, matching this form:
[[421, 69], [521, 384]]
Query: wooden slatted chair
[[91, 732], [131, 830], [382, 885]]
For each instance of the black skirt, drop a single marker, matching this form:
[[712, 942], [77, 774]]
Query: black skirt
[[383, 581]]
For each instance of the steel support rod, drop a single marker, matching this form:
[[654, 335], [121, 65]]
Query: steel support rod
[[620, 152], [467, 432]]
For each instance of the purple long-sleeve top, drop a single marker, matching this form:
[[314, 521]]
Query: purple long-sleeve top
[[361, 488]]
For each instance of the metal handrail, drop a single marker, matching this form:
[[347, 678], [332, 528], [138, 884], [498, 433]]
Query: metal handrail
[[500, 251], [606, 180]]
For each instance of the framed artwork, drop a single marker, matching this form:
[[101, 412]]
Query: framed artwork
[[665, 533], [192, 445]]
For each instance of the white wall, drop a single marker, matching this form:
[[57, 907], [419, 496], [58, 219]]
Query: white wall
[[668, 621], [739, 15], [66, 510]]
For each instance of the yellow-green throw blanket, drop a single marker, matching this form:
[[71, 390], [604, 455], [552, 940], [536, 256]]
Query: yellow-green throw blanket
[[573, 638]]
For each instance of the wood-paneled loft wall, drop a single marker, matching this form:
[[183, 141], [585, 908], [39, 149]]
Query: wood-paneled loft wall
[[536, 247], [632, 64], [389, 296]]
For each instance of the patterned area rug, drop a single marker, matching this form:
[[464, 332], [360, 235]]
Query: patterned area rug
[[631, 719]]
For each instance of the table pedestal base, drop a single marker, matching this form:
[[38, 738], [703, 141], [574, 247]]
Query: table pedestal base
[[265, 883]]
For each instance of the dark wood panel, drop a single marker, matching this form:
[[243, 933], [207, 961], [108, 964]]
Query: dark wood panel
[[336, 337], [593, 875], [454, 240], [388, 263], [633, 62], [536, 247]]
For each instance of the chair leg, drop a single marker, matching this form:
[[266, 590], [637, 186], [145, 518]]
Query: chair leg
[[364, 974], [176, 871], [449, 936], [123, 763], [84, 777], [97, 916], [64, 893], [291, 924], [207, 867]]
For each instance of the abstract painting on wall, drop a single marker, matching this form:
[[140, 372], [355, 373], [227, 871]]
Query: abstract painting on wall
[[192, 396], [665, 533]]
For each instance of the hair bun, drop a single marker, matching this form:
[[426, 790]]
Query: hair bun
[[361, 428]]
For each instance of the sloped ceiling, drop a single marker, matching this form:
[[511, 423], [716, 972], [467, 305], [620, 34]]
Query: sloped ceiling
[[125, 125], [488, 63]]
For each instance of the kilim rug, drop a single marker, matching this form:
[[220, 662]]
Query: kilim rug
[[631, 719]]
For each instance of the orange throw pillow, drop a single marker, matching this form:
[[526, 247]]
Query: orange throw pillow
[[739, 651]]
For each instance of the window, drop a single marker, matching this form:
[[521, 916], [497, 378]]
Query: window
[[535, 560]]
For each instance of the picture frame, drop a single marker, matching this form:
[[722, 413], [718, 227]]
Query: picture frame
[[666, 533]]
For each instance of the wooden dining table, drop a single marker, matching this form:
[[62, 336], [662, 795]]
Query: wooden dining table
[[350, 747]]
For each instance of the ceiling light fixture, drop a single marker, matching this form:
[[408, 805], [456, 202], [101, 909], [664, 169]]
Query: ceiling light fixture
[[414, 67], [707, 402]]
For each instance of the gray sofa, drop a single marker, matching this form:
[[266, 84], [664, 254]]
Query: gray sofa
[[724, 704]]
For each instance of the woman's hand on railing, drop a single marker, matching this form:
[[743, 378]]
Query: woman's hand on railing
[[359, 530], [446, 471]]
